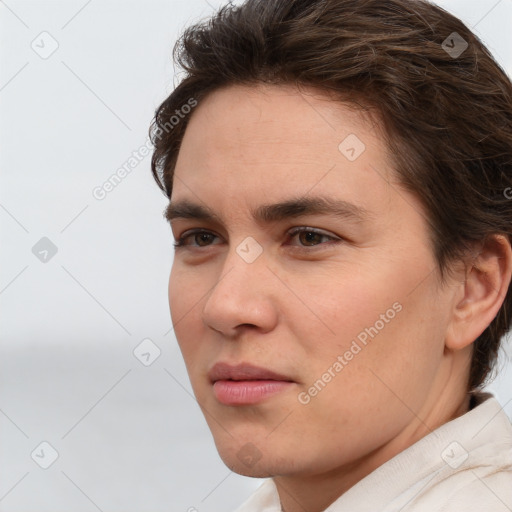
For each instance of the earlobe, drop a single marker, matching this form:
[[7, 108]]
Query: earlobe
[[486, 283]]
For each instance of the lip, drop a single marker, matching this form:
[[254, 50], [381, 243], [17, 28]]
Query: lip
[[246, 384], [244, 371]]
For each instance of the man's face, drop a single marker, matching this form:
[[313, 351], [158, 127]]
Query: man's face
[[336, 290]]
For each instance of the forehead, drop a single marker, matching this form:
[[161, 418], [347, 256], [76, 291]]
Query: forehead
[[238, 117], [269, 141]]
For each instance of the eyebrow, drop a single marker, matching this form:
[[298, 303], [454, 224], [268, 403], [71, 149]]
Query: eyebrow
[[266, 214]]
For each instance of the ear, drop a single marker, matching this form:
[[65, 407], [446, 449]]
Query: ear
[[487, 278]]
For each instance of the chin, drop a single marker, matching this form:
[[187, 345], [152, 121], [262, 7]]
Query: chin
[[255, 472], [247, 460]]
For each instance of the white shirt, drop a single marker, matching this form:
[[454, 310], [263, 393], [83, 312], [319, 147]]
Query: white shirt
[[465, 465]]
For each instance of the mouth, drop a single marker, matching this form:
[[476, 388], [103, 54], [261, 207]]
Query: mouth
[[246, 384]]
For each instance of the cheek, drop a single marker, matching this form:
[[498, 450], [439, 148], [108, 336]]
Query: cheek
[[363, 393], [174, 289], [333, 307], [185, 303], [186, 289], [379, 321]]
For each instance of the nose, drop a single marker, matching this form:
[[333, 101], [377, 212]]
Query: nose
[[243, 297]]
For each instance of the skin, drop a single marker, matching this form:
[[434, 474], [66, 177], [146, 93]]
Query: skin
[[305, 298]]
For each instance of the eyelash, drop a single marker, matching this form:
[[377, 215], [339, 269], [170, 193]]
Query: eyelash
[[180, 242]]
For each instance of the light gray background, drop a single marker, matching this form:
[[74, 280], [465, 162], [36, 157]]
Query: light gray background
[[129, 437]]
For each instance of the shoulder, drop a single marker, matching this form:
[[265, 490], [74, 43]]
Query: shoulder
[[264, 499], [471, 491], [480, 476]]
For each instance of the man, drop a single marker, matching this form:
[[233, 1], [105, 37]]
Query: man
[[337, 173]]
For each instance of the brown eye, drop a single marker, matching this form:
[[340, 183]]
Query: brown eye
[[197, 239], [203, 239], [310, 238], [303, 237]]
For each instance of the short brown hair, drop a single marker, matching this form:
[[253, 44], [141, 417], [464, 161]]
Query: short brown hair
[[446, 109]]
